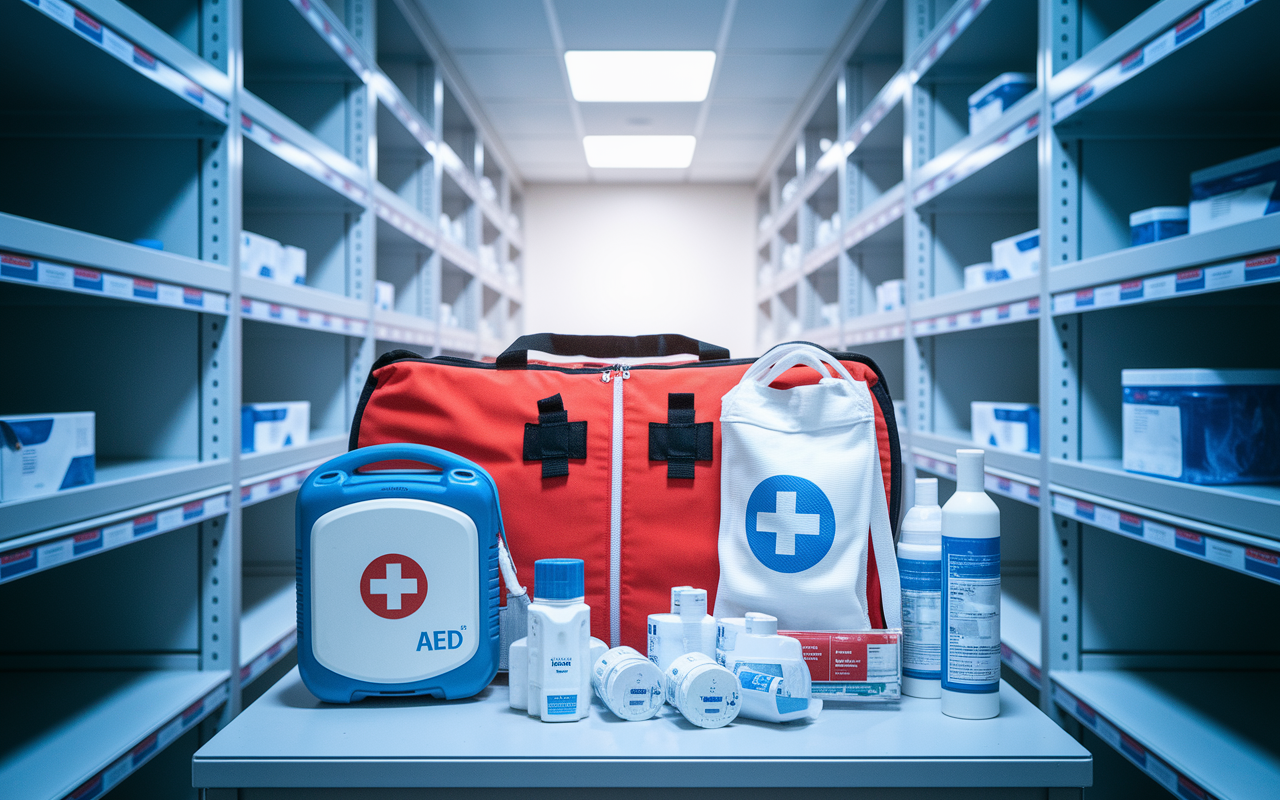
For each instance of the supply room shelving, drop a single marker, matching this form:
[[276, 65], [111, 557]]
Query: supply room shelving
[[123, 123], [1131, 97]]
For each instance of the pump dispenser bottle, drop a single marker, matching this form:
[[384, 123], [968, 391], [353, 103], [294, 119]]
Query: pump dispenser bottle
[[559, 642], [919, 567], [970, 595]]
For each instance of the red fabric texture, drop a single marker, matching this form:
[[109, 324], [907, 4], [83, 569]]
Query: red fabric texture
[[670, 527]]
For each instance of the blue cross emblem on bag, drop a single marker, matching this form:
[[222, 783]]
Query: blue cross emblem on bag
[[790, 523]]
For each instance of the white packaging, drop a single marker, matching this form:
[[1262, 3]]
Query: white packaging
[[891, 295], [978, 275], [991, 101], [559, 642], [791, 256], [1008, 426], [293, 265], [687, 629], [384, 295], [261, 256], [702, 690], [518, 673], [970, 595], [267, 427], [45, 453], [487, 190], [919, 566], [1018, 256], [727, 631], [768, 698], [629, 684], [1235, 191], [759, 653], [829, 314]]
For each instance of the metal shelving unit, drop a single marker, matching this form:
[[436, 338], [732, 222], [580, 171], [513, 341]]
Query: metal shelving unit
[[1131, 97], [150, 599]]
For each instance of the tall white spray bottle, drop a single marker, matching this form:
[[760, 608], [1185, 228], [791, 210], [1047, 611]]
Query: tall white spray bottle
[[559, 642], [919, 567], [970, 595]]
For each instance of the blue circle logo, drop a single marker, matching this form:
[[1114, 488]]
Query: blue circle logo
[[790, 523]]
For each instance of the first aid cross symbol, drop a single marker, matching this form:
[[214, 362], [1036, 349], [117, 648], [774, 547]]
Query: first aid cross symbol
[[787, 524], [393, 586]]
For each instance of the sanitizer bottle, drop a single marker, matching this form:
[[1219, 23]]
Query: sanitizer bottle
[[970, 595], [559, 642], [919, 567]]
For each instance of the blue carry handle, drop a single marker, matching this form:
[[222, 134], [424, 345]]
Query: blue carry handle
[[402, 451]]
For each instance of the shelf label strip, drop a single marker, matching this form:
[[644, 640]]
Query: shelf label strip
[[977, 159], [1019, 664], [947, 37], [861, 231], [26, 561], [121, 768], [15, 268], [303, 160], [395, 333], [886, 333], [1256, 561], [996, 484], [1129, 747], [334, 34], [264, 490], [301, 317], [142, 61], [979, 318], [1258, 269], [418, 231], [1189, 29], [264, 661]]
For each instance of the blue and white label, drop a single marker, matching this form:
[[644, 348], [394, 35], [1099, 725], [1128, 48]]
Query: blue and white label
[[971, 615], [790, 523], [921, 618], [558, 704]]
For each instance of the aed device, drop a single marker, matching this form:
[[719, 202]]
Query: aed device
[[397, 575]]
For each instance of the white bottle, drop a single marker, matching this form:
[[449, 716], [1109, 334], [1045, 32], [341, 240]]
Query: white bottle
[[687, 629], [920, 571], [702, 690], [761, 649], [727, 631], [630, 685], [970, 595], [559, 642], [518, 668]]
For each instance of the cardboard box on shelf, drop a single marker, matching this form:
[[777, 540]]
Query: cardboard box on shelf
[[45, 453]]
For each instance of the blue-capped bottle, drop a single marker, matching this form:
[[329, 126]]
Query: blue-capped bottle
[[919, 569], [559, 642]]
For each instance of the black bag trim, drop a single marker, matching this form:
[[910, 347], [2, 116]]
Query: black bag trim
[[553, 439], [680, 440]]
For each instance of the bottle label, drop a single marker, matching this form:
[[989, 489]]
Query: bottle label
[[561, 704], [921, 618], [971, 614]]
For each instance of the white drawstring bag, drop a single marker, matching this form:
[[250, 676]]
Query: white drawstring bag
[[801, 497]]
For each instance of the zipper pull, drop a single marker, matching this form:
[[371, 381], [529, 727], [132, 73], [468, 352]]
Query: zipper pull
[[623, 370]]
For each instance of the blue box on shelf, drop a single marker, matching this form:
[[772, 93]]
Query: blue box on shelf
[[1204, 426], [1157, 224], [988, 103]]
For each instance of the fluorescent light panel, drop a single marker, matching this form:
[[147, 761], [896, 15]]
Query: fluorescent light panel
[[640, 76], [639, 152]]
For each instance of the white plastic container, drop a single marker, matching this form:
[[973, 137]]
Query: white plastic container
[[702, 690], [518, 673], [45, 453], [1235, 191], [768, 698], [1157, 224], [920, 571], [629, 684], [1017, 256], [759, 652], [559, 642], [970, 595], [988, 103], [687, 629], [268, 427], [384, 295], [891, 295], [727, 631], [1007, 426]]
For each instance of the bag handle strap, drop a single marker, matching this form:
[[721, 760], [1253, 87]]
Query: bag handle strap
[[769, 367], [653, 346]]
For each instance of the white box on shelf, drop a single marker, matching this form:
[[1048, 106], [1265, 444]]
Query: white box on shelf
[[45, 453], [384, 295], [1018, 256], [293, 265], [260, 256], [991, 101], [1157, 224], [447, 318], [791, 256], [829, 314], [1008, 426], [488, 255], [790, 188], [488, 190], [1236, 191], [267, 427], [891, 295], [978, 275]]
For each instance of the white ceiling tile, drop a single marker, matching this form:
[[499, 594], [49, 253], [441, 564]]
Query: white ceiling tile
[[546, 151], [630, 25], [515, 118], [754, 118], [637, 175], [767, 76], [729, 151], [555, 173], [487, 24], [775, 25], [512, 77], [639, 118], [724, 173]]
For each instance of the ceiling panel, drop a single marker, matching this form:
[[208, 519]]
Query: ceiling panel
[[490, 24], [546, 151], [516, 118], [512, 77], [631, 25], [767, 75], [712, 150], [724, 173], [640, 118], [742, 118], [793, 24]]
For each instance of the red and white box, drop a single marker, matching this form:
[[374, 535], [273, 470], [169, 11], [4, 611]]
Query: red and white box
[[853, 665]]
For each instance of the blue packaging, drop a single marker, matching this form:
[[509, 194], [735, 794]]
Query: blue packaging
[[1202, 426], [988, 103], [397, 575], [1157, 224]]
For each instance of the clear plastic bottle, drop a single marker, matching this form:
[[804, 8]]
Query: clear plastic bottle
[[970, 595], [920, 570], [559, 642]]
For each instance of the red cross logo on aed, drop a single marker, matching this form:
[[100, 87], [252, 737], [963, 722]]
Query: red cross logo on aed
[[393, 586]]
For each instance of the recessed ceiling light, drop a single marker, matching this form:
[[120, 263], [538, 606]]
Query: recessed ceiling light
[[643, 152], [640, 76]]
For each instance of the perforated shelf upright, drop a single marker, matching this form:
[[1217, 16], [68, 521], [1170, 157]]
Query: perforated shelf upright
[[1130, 98]]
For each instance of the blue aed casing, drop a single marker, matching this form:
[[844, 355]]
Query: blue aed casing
[[397, 576]]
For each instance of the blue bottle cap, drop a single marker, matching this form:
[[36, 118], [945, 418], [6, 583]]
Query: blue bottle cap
[[557, 578]]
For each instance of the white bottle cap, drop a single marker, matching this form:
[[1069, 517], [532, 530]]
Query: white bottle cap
[[969, 465], [703, 691], [675, 597], [631, 685], [926, 491], [690, 603], [761, 624]]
